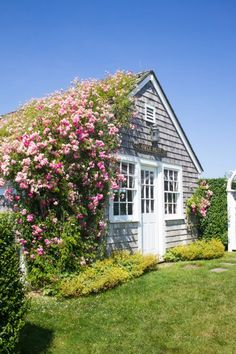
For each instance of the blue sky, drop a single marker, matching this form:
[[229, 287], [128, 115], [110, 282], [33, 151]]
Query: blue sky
[[190, 44]]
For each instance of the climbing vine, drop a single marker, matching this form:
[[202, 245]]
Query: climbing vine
[[57, 159]]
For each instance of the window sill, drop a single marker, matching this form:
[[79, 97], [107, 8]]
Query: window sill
[[174, 217], [125, 220]]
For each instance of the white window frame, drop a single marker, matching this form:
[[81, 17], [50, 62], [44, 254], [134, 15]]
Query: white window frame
[[154, 113], [127, 218], [180, 208]]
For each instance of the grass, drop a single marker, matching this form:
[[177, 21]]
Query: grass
[[175, 309]]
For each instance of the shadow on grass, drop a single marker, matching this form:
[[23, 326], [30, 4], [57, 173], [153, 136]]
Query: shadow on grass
[[34, 339]]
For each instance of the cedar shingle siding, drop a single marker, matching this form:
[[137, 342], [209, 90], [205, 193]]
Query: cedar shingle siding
[[125, 235]]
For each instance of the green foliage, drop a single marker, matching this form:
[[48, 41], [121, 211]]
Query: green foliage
[[12, 305], [199, 202], [201, 249], [108, 273], [65, 255], [215, 224]]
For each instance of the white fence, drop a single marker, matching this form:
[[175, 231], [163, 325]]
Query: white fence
[[231, 201]]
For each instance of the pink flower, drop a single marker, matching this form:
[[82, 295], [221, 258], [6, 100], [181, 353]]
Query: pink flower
[[112, 129], [99, 196], [102, 225], [23, 212], [37, 231], [30, 217], [203, 212], [23, 185], [47, 242], [2, 182], [40, 251], [114, 185], [101, 165], [99, 143], [22, 241]]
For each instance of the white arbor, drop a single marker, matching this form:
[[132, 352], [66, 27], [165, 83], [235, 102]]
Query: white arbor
[[231, 201]]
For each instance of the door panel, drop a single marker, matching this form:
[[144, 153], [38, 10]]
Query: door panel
[[149, 209]]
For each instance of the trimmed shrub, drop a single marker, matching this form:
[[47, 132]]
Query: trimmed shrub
[[108, 273], [215, 224], [201, 249], [12, 305]]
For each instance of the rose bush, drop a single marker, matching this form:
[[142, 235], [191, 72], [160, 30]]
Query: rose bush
[[200, 201], [57, 158]]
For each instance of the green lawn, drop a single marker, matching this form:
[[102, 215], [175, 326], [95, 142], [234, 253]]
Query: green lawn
[[171, 310]]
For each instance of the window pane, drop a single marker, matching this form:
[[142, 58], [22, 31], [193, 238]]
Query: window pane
[[174, 208], [169, 198], [166, 186], [165, 175], [116, 196], [123, 196], [175, 186], [142, 176], [152, 192], [130, 208], [166, 195], [124, 184], [171, 186], [152, 206], [151, 178], [142, 192], [142, 204], [116, 209], [130, 196], [124, 168], [131, 182], [170, 208], [147, 177], [147, 192], [171, 175], [147, 206], [131, 169], [175, 175], [123, 209]]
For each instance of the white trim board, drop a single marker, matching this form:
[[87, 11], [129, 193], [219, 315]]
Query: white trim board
[[151, 78]]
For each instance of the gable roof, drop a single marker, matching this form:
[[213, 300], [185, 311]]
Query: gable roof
[[143, 79]]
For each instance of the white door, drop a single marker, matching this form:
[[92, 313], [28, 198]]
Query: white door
[[149, 210]]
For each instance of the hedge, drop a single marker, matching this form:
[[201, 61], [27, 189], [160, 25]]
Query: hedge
[[215, 224], [108, 273], [12, 304], [201, 249]]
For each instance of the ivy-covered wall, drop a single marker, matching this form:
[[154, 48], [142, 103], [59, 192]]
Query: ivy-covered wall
[[215, 224]]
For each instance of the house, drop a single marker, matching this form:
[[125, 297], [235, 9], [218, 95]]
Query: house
[[161, 169]]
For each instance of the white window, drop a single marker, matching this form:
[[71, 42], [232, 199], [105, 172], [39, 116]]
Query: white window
[[123, 204], [147, 191], [150, 114], [172, 192]]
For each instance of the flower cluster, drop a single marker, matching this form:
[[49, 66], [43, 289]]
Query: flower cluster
[[58, 156], [200, 201]]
